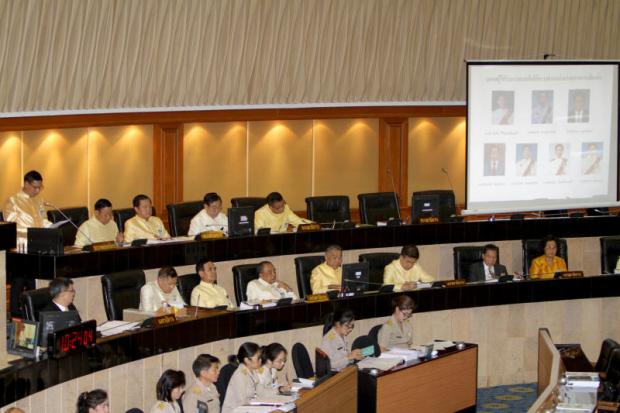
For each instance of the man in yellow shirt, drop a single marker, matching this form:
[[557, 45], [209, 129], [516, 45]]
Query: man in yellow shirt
[[276, 215], [26, 208], [208, 294], [100, 227], [328, 276], [144, 225], [405, 273]]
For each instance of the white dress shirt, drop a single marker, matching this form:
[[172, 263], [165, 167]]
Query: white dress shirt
[[152, 298], [203, 222], [259, 290]]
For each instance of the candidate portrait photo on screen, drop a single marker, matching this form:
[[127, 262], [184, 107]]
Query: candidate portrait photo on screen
[[494, 159], [578, 106], [558, 161], [542, 106], [503, 103], [526, 159], [591, 158]]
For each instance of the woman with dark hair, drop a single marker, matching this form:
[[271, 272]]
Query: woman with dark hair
[[95, 401], [334, 342], [274, 359], [398, 330], [210, 217], [244, 383], [549, 263], [169, 390]]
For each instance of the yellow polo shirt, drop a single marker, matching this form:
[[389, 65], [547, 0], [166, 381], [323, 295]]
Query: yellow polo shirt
[[324, 275], [394, 273], [265, 218], [140, 228]]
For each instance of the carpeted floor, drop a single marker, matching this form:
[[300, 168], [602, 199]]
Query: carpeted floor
[[506, 399]]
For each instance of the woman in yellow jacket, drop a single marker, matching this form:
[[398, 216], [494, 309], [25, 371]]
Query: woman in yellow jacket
[[549, 263]]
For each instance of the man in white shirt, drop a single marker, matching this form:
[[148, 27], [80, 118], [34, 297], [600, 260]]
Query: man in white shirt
[[267, 287], [162, 292], [210, 218], [208, 294]]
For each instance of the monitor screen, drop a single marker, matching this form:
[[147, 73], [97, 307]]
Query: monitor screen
[[47, 241], [50, 321], [355, 277], [240, 221], [23, 337]]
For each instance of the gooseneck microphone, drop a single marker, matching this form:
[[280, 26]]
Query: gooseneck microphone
[[48, 204], [449, 180]]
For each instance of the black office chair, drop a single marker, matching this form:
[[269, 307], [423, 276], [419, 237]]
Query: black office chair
[[378, 206], [180, 216], [1, 217], [303, 271], [610, 252], [226, 373], [362, 342], [612, 379], [328, 208], [464, 257], [322, 364], [33, 301], [374, 332], [134, 410], [531, 249], [78, 215], [186, 284], [376, 263], [248, 201], [327, 325], [604, 358], [301, 361], [121, 290], [242, 275], [123, 214]]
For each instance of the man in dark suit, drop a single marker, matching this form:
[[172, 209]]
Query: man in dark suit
[[494, 164], [63, 293], [579, 113], [488, 268]]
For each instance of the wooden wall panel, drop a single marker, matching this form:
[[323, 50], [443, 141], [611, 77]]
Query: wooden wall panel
[[10, 165], [393, 145], [167, 166]]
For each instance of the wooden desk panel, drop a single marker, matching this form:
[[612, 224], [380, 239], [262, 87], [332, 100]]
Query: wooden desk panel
[[337, 395]]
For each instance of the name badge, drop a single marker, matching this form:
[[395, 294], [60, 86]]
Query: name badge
[[202, 407]]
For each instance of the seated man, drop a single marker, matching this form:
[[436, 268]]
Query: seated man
[[405, 273], [208, 294], [100, 227], [210, 218], [144, 224], [162, 292], [276, 215], [488, 268], [63, 293], [267, 287], [328, 276]]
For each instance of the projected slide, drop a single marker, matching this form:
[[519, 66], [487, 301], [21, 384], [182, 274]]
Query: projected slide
[[541, 136]]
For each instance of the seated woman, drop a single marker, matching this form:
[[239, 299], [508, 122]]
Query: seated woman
[[398, 330], [244, 383], [95, 401], [169, 391], [274, 358], [334, 343], [548, 264]]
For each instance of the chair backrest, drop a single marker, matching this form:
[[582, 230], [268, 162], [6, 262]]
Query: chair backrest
[[366, 341], [180, 216], [303, 270], [186, 284], [464, 257], [374, 332], [121, 290], [323, 365], [610, 252], [604, 358], [248, 201], [328, 208], [123, 214], [1, 216], [376, 263], [378, 206], [134, 410], [613, 370], [226, 373], [78, 215], [242, 275], [301, 361], [531, 250], [33, 301]]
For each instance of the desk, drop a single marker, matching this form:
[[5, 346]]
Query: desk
[[338, 394], [8, 235], [446, 383]]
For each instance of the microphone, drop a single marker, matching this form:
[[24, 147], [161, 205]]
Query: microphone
[[48, 204], [388, 170], [449, 180]]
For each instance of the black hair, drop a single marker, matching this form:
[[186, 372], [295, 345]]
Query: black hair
[[90, 400], [102, 203], [271, 352], [490, 247], [200, 264], [545, 240], [32, 176], [274, 197], [167, 271], [403, 302], [341, 316], [261, 265], [58, 285], [210, 198], [170, 380], [247, 350], [203, 362], [138, 198], [410, 251]]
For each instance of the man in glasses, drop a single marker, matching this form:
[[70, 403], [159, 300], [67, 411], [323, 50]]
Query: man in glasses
[[63, 294]]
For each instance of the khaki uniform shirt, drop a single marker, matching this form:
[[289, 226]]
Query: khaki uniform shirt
[[268, 379], [200, 393], [96, 232], [394, 273], [203, 222], [324, 275], [140, 228], [243, 386], [336, 347], [265, 218], [391, 335], [165, 407], [26, 212], [152, 297], [259, 290], [209, 295]]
